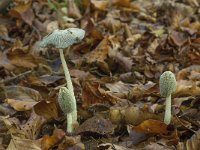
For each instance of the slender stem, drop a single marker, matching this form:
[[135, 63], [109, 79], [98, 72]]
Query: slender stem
[[167, 118], [72, 117], [66, 72], [69, 123]]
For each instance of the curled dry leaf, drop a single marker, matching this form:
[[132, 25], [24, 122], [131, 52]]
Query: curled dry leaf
[[19, 59], [71, 142], [46, 109], [92, 93], [184, 73], [191, 144], [124, 62], [98, 56], [187, 88], [21, 98], [31, 128], [3, 30], [49, 141], [73, 10], [120, 88], [25, 144], [100, 5], [112, 24], [24, 12], [20, 105]]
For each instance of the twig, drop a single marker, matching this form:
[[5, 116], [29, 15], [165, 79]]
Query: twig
[[15, 77]]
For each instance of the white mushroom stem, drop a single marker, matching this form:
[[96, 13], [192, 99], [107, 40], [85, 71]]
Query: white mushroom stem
[[69, 123], [71, 117], [66, 72], [167, 118]]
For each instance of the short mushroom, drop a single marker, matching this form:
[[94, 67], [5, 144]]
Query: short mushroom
[[62, 39], [167, 87]]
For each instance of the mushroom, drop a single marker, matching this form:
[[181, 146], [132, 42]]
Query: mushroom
[[167, 85], [62, 39]]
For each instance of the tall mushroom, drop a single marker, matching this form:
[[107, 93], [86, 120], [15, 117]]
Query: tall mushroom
[[62, 39], [167, 87]]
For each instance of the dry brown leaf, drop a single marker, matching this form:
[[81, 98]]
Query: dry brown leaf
[[125, 62], [31, 128], [178, 39], [92, 93], [73, 10], [3, 30], [100, 5], [18, 57], [98, 55], [96, 125], [119, 3], [71, 142], [24, 12], [21, 98], [21, 59], [49, 141], [184, 73], [21, 105], [17, 143], [187, 88], [191, 144], [46, 109], [112, 24], [152, 127], [120, 88]]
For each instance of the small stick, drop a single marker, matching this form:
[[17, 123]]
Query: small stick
[[7, 80]]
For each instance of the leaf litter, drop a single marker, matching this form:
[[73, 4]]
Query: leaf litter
[[115, 72]]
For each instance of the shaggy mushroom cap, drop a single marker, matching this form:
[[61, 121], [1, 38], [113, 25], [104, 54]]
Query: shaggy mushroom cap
[[63, 38], [167, 83]]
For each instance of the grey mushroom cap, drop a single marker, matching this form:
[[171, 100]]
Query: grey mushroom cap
[[63, 38], [167, 84]]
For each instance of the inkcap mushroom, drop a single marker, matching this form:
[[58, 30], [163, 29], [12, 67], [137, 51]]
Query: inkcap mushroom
[[167, 85], [62, 39]]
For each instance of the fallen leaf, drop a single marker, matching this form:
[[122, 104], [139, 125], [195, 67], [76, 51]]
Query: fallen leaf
[[73, 10], [100, 5], [21, 98], [71, 142], [46, 109], [21, 105], [24, 12], [32, 127], [17, 143], [97, 125], [92, 93], [191, 144], [187, 88], [98, 56], [135, 136], [152, 127], [49, 141]]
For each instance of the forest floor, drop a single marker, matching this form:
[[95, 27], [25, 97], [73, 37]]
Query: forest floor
[[115, 71]]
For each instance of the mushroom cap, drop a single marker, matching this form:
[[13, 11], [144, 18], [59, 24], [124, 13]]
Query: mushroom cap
[[63, 38], [167, 84]]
